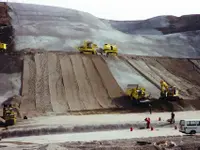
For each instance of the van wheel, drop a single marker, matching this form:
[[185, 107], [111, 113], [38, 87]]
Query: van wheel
[[193, 132]]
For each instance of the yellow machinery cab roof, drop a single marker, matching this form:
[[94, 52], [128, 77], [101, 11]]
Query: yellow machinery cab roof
[[3, 46]]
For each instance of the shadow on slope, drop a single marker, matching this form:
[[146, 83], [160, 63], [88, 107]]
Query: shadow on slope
[[157, 105]]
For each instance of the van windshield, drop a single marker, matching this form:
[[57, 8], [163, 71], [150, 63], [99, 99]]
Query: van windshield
[[182, 122]]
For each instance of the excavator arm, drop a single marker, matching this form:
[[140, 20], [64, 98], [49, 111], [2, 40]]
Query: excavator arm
[[164, 86]]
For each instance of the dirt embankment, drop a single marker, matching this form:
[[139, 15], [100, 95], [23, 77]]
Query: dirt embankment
[[59, 83], [4, 17], [69, 82], [181, 73], [10, 76], [64, 82]]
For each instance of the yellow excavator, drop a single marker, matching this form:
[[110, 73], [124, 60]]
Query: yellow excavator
[[9, 115], [11, 110], [3, 46], [89, 47], [169, 93], [137, 94]]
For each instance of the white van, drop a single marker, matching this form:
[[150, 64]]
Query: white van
[[189, 126]]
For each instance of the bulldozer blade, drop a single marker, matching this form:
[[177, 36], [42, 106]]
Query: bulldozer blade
[[145, 101], [132, 85]]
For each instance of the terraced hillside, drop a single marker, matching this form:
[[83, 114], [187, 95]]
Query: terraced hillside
[[63, 82], [67, 82]]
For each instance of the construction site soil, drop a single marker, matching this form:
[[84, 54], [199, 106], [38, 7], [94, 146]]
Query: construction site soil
[[182, 143], [153, 143], [72, 83]]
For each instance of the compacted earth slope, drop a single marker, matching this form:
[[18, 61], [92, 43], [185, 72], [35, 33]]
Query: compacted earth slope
[[66, 82], [61, 82]]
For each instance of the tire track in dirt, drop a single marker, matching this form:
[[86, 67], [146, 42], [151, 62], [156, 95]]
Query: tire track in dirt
[[43, 102], [145, 71], [56, 85], [125, 74], [85, 90], [196, 63], [95, 80], [28, 91], [70, 84], [181, 68], [108, 80]]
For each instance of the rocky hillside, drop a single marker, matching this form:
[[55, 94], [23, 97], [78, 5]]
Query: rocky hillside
[[6, 30], [159, 25], [53, 28]]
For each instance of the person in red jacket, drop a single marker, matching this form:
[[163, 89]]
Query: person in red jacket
[[148, 122]]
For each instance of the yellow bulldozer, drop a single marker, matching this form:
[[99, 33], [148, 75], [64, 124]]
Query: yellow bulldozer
[[3, 46], [89, 47], [137, 94], [109, 49], [169, 93]]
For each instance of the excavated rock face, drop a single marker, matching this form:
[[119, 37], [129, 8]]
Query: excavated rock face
[[4, 18], [61, 29], [160, 25], [6, 30], [182, 24], [10, 66]]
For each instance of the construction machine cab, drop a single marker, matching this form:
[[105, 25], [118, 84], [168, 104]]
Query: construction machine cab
[[169, 93], [172, 91], [110, 49], [137, 93]]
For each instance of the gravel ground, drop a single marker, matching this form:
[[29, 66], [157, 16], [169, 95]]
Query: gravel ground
[[185, 142], [182, 143]]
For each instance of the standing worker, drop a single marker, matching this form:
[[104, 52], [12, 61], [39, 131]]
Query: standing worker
[[150, 108], [148, 122], [172, 121]]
